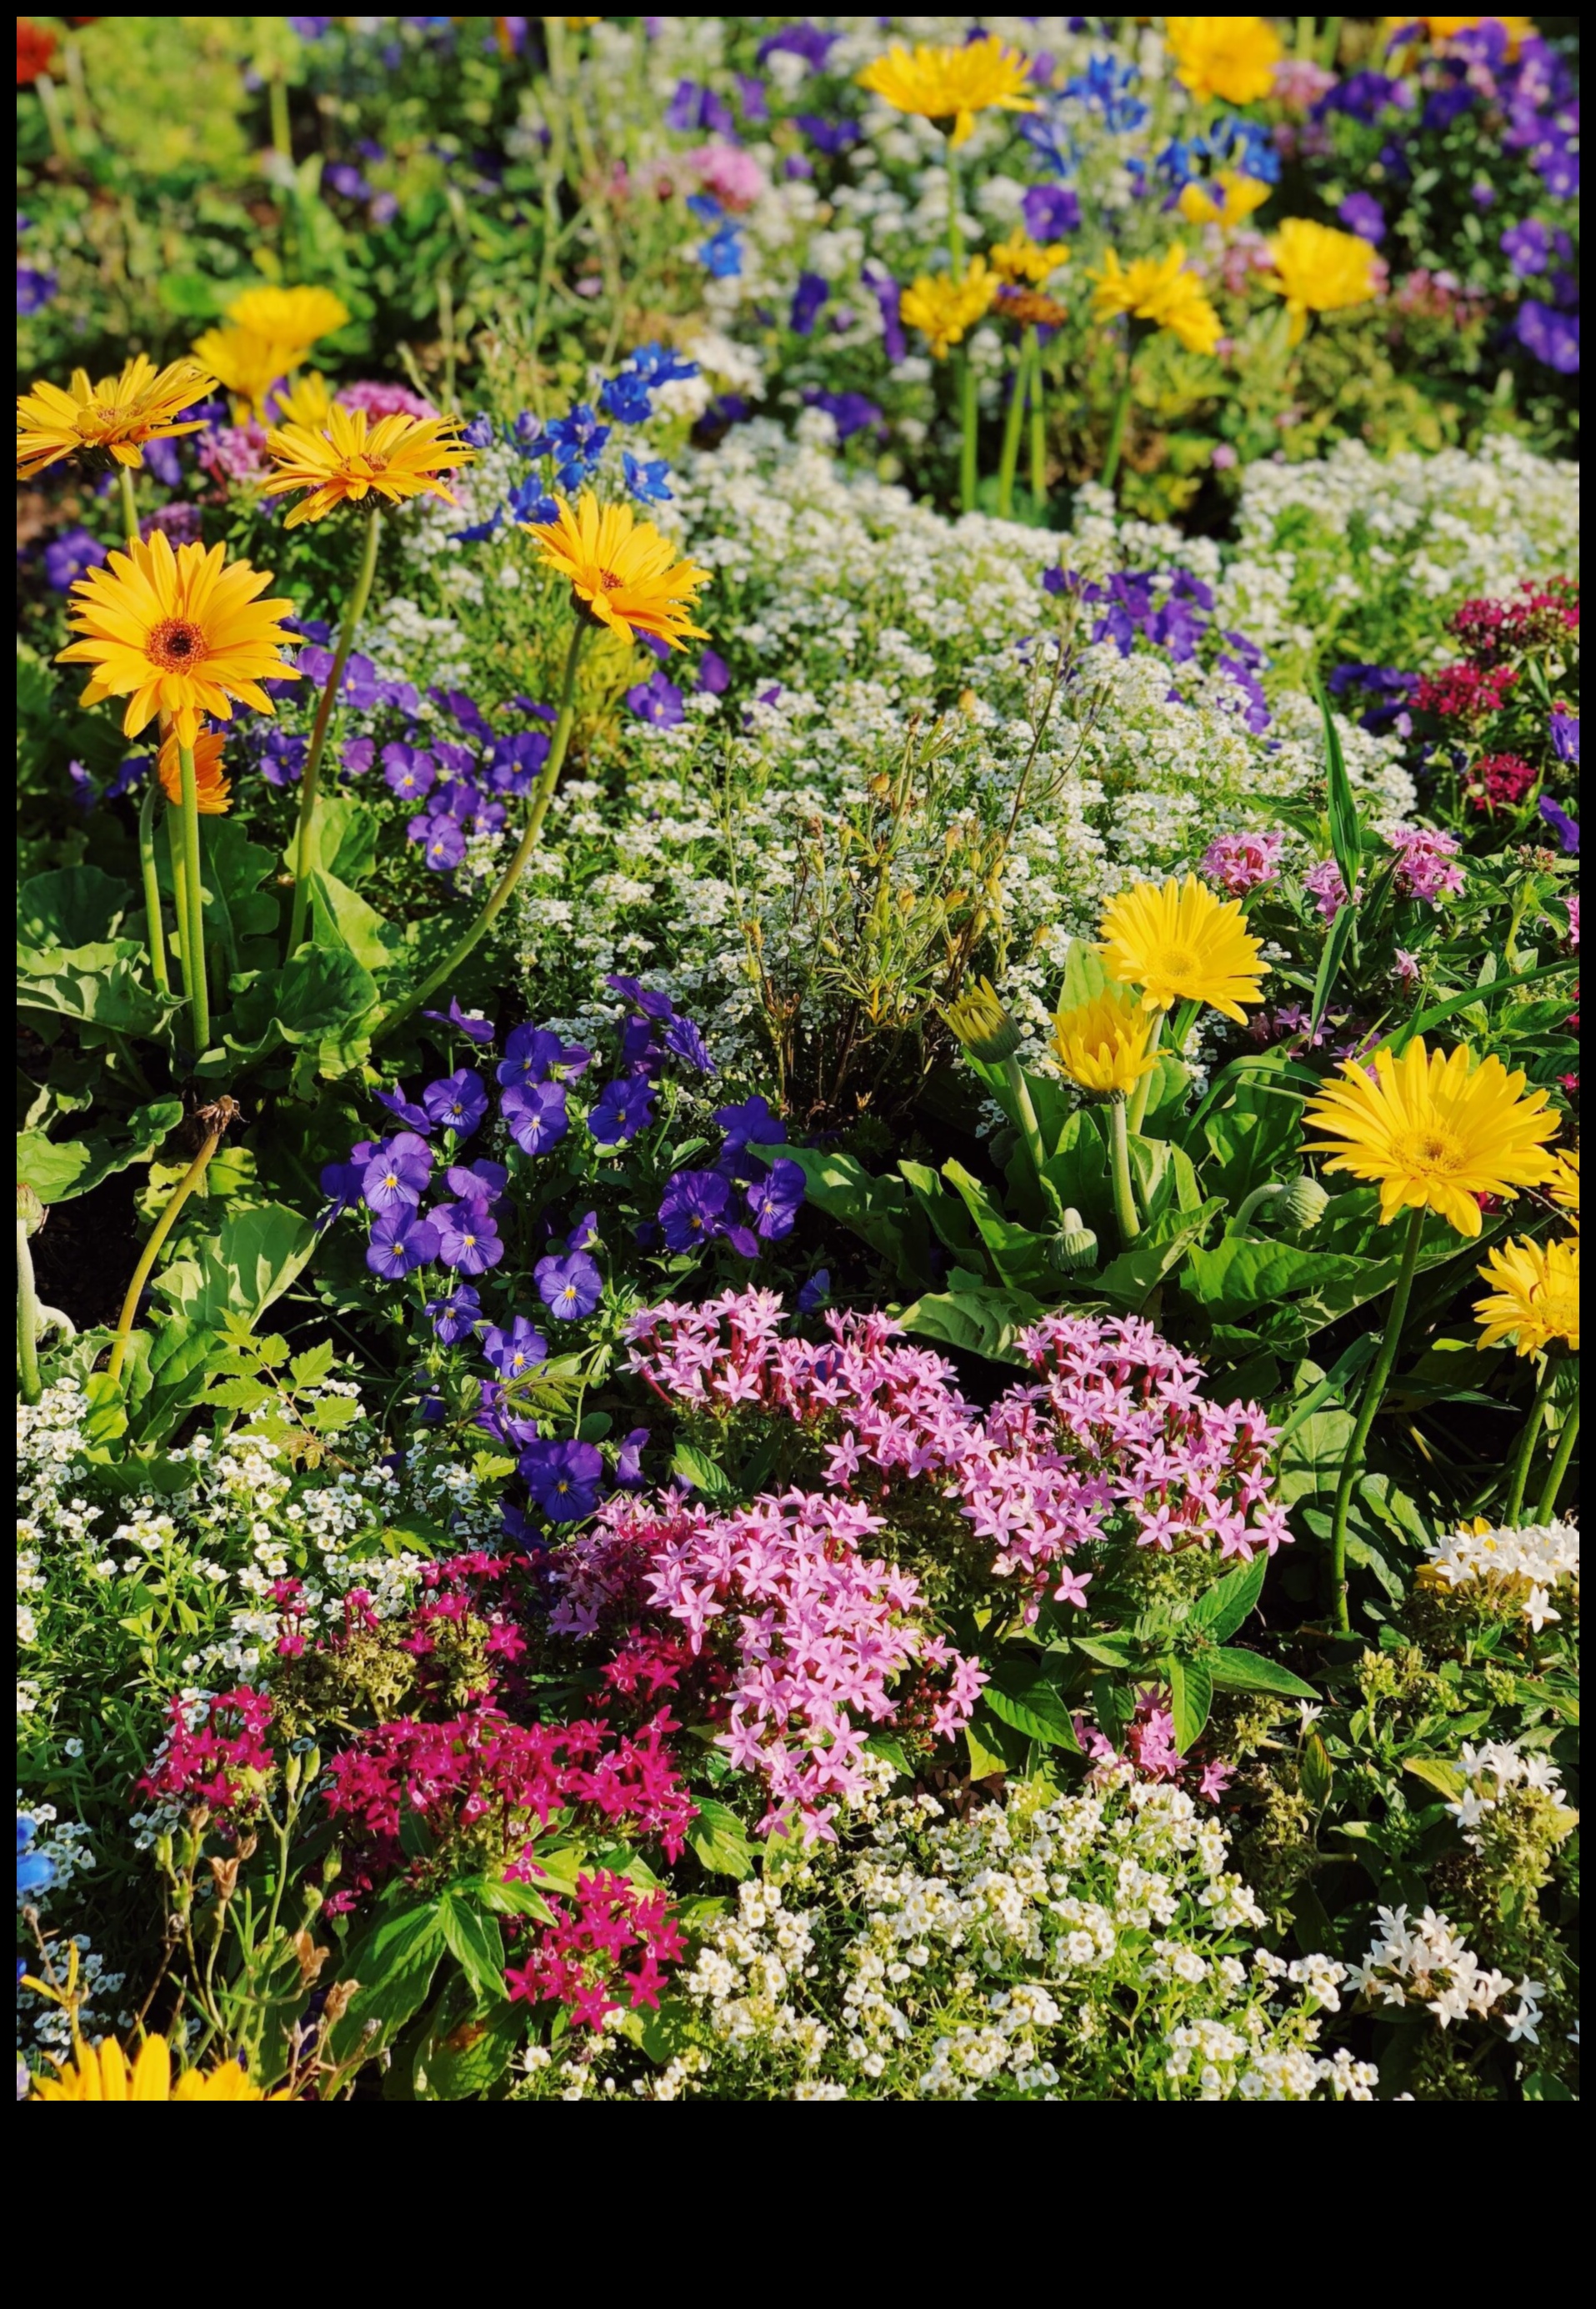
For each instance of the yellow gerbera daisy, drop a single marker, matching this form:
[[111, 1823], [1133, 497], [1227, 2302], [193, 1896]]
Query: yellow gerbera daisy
[[288, 316], [213, 790], [1020, 260], [1518, 29], [104, 2072], [943, 308], [1102, 1044], [1318, 270], [178, 634], [117, 416], [1563, 1186], [1179, 943], [1535, 1298], [952, 85], [1435, 1131], [1229, 56], [306, 401], [349, 459], [1158, 289], [1228, 198], [624, 574], [249, 366]]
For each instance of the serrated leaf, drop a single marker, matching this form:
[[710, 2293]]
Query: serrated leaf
[[314, 1365]]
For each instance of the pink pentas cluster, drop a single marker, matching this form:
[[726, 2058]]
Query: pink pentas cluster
[[1238, 862], [610, 1935], [1151, 1750], [1542, 617], [1500, 782], [733, 177], [222, 1759], [379, 399], [1426, 865], [1464, 693], [233, 452]]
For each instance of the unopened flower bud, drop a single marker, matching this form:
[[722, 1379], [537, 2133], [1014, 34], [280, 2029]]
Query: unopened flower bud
[[983, 1024], [29, 1209], [1074, 1247], [1304, 1203]]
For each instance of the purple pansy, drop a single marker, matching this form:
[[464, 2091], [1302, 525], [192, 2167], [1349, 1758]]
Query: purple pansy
[[535, 1115], [566, 1479], [569, 1287], [517, 1351], [622, 1110], [455, 1317], [400, 1242], [468, 1238], [397, 1175], [457, 1102]]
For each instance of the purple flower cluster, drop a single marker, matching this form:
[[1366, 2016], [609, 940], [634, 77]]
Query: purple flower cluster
[[748, 1199], [1176, 620]]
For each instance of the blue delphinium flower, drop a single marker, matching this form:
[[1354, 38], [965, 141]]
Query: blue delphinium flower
[[1361, 214], [684, 1041], [647, 479], [810, 294], [478, 432], [722, 255], [626, 398], [813, 1293], [658, 365], [69, 557], [1553, 337], [455, 1317], [570, 1287]]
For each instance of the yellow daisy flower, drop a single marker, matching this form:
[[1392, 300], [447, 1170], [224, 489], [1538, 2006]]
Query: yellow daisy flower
[[1160, 290], [1227, 198], [943, 308], [104, 2072], [1536, 1296], [1022, 261], [117, 416], [306, 401], [178, 634], [952, 85], [349, 459], [288, 316], [623, 573], [247, 365], [213, 790], [983, 1024], [1102, 1044], [1179, 943], [1563, 1186], [1230, 57], [1434, 1131], [1318, 270], [1518, 29]]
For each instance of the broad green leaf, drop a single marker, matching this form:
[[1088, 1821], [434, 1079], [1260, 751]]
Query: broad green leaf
[[1239, 1671], [250, 1262], [994, 1745], [878, 1210], [393, 1963], [100, 985], [342, 918], [1221, 1609], [1318, 1774], [1022, 1695], [1019, 1254], [476, 1944], [1447, 1779], [313, 1366], [696, 1468], [982, 1318], [1191, 1696], [1129, 1280], [717, 1838], [58, 1170], [1249, 1133], [464, 2051], [75, 906]]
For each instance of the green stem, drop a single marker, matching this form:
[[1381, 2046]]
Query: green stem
[[1030, 1131], [447, 331], [1269, 1192], [1525, 1456], [283, 135], [1122, 409], [1124, 1201], [60, 144], [1038, 422], [1009, 460], [1144, 1090], [1547, 1506], [27, 1319], [354, 609], [156, 926], [968, 422], [955, 237], [152, 1251], [1373, 1394], [180, 888], [130, 508], [542, 795], [194, 905]]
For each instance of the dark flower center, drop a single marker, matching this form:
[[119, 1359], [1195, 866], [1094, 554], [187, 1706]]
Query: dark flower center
[[175, 645]]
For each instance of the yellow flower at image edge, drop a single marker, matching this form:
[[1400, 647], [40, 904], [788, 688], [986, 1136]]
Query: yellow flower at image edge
[[213, 791], [349, 459], [951, 83], [623, 572], [1229, 56], [1318, 270], [944, 309], [1535, 1298], [1179, 943], [117, 415], [1102, 1044], [1434, 1131], [104, 2072], [1158, 289], [180, 633]]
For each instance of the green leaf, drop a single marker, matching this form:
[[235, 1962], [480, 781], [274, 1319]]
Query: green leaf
[[393, 1963], [464, 2051], [1241, 1671], [1346, 824], [1129, 1280], [1543, 2086], [876, 1210], [1022, 1695], [1110, 1651], [982, 1318], [1250, 1133], [251, 1261], [95, 985], [717, 1838], [1019, 1254], [1221, 1609], [696, 1468], [235, 870], [1333, 1387], [1446, 1779], [313, 1366], [994, 1745], [59, 1170], [1191, 1696], [75, 906], [342, 919], [476, 1944], [1331, 958], [1318, 1774]]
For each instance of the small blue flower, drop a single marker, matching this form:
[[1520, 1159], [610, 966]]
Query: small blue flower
[[647, 479], [35, 1873], [455, 1317], [570, 1287]]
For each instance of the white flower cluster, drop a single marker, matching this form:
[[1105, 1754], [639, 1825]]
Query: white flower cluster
[[1534, 1560], [1488, 1772], [1427, 1963]]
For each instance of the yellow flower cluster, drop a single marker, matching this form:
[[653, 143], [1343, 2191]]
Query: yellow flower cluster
[[1160, 291], [1228, 198], [1103, 1045], [1022, 262], [1535, 1301], [944, 309], [1179, 943], [951, 85], [1232, 58], [1318, 270], [268, 334]]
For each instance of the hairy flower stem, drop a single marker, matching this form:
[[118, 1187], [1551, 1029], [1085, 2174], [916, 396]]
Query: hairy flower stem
[[1122, 409], [1009, 460], [130, 507], [157, 928], [152, 1251], [1038, 420], [1140, 1095], [1030, 1131], [1124, 1201], [542, 795], [354, 610], [180, 885], [1547, 1506], [1373, 1394], [192, 916], [31, 1385], [1523, 1457]]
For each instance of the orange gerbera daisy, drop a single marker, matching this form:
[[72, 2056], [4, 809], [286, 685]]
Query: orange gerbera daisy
[[178, 634], [214, 792], [623, 573], [349, 459]]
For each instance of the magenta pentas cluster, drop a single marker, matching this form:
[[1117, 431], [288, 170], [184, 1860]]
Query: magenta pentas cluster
[[1237, 863], [219, 1755], [1427, 869], [1152, 1750], [610, 1935]]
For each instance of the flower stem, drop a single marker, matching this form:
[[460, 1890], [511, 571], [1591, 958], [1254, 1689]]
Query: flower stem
[[968, 422], [157, 928], [282, 137], [1030, 1131], [1373, 1394], [1547, 1506], [1140, 1095], [1039, 420], [194, 905], [32, 1386], [152, 1251], [1122, 409], [1010, 458], [130, 505], [1523, 1457], [180, 888], [955, 237], [54, 121], [1124, 1201], [354, 609], [542, 795]]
